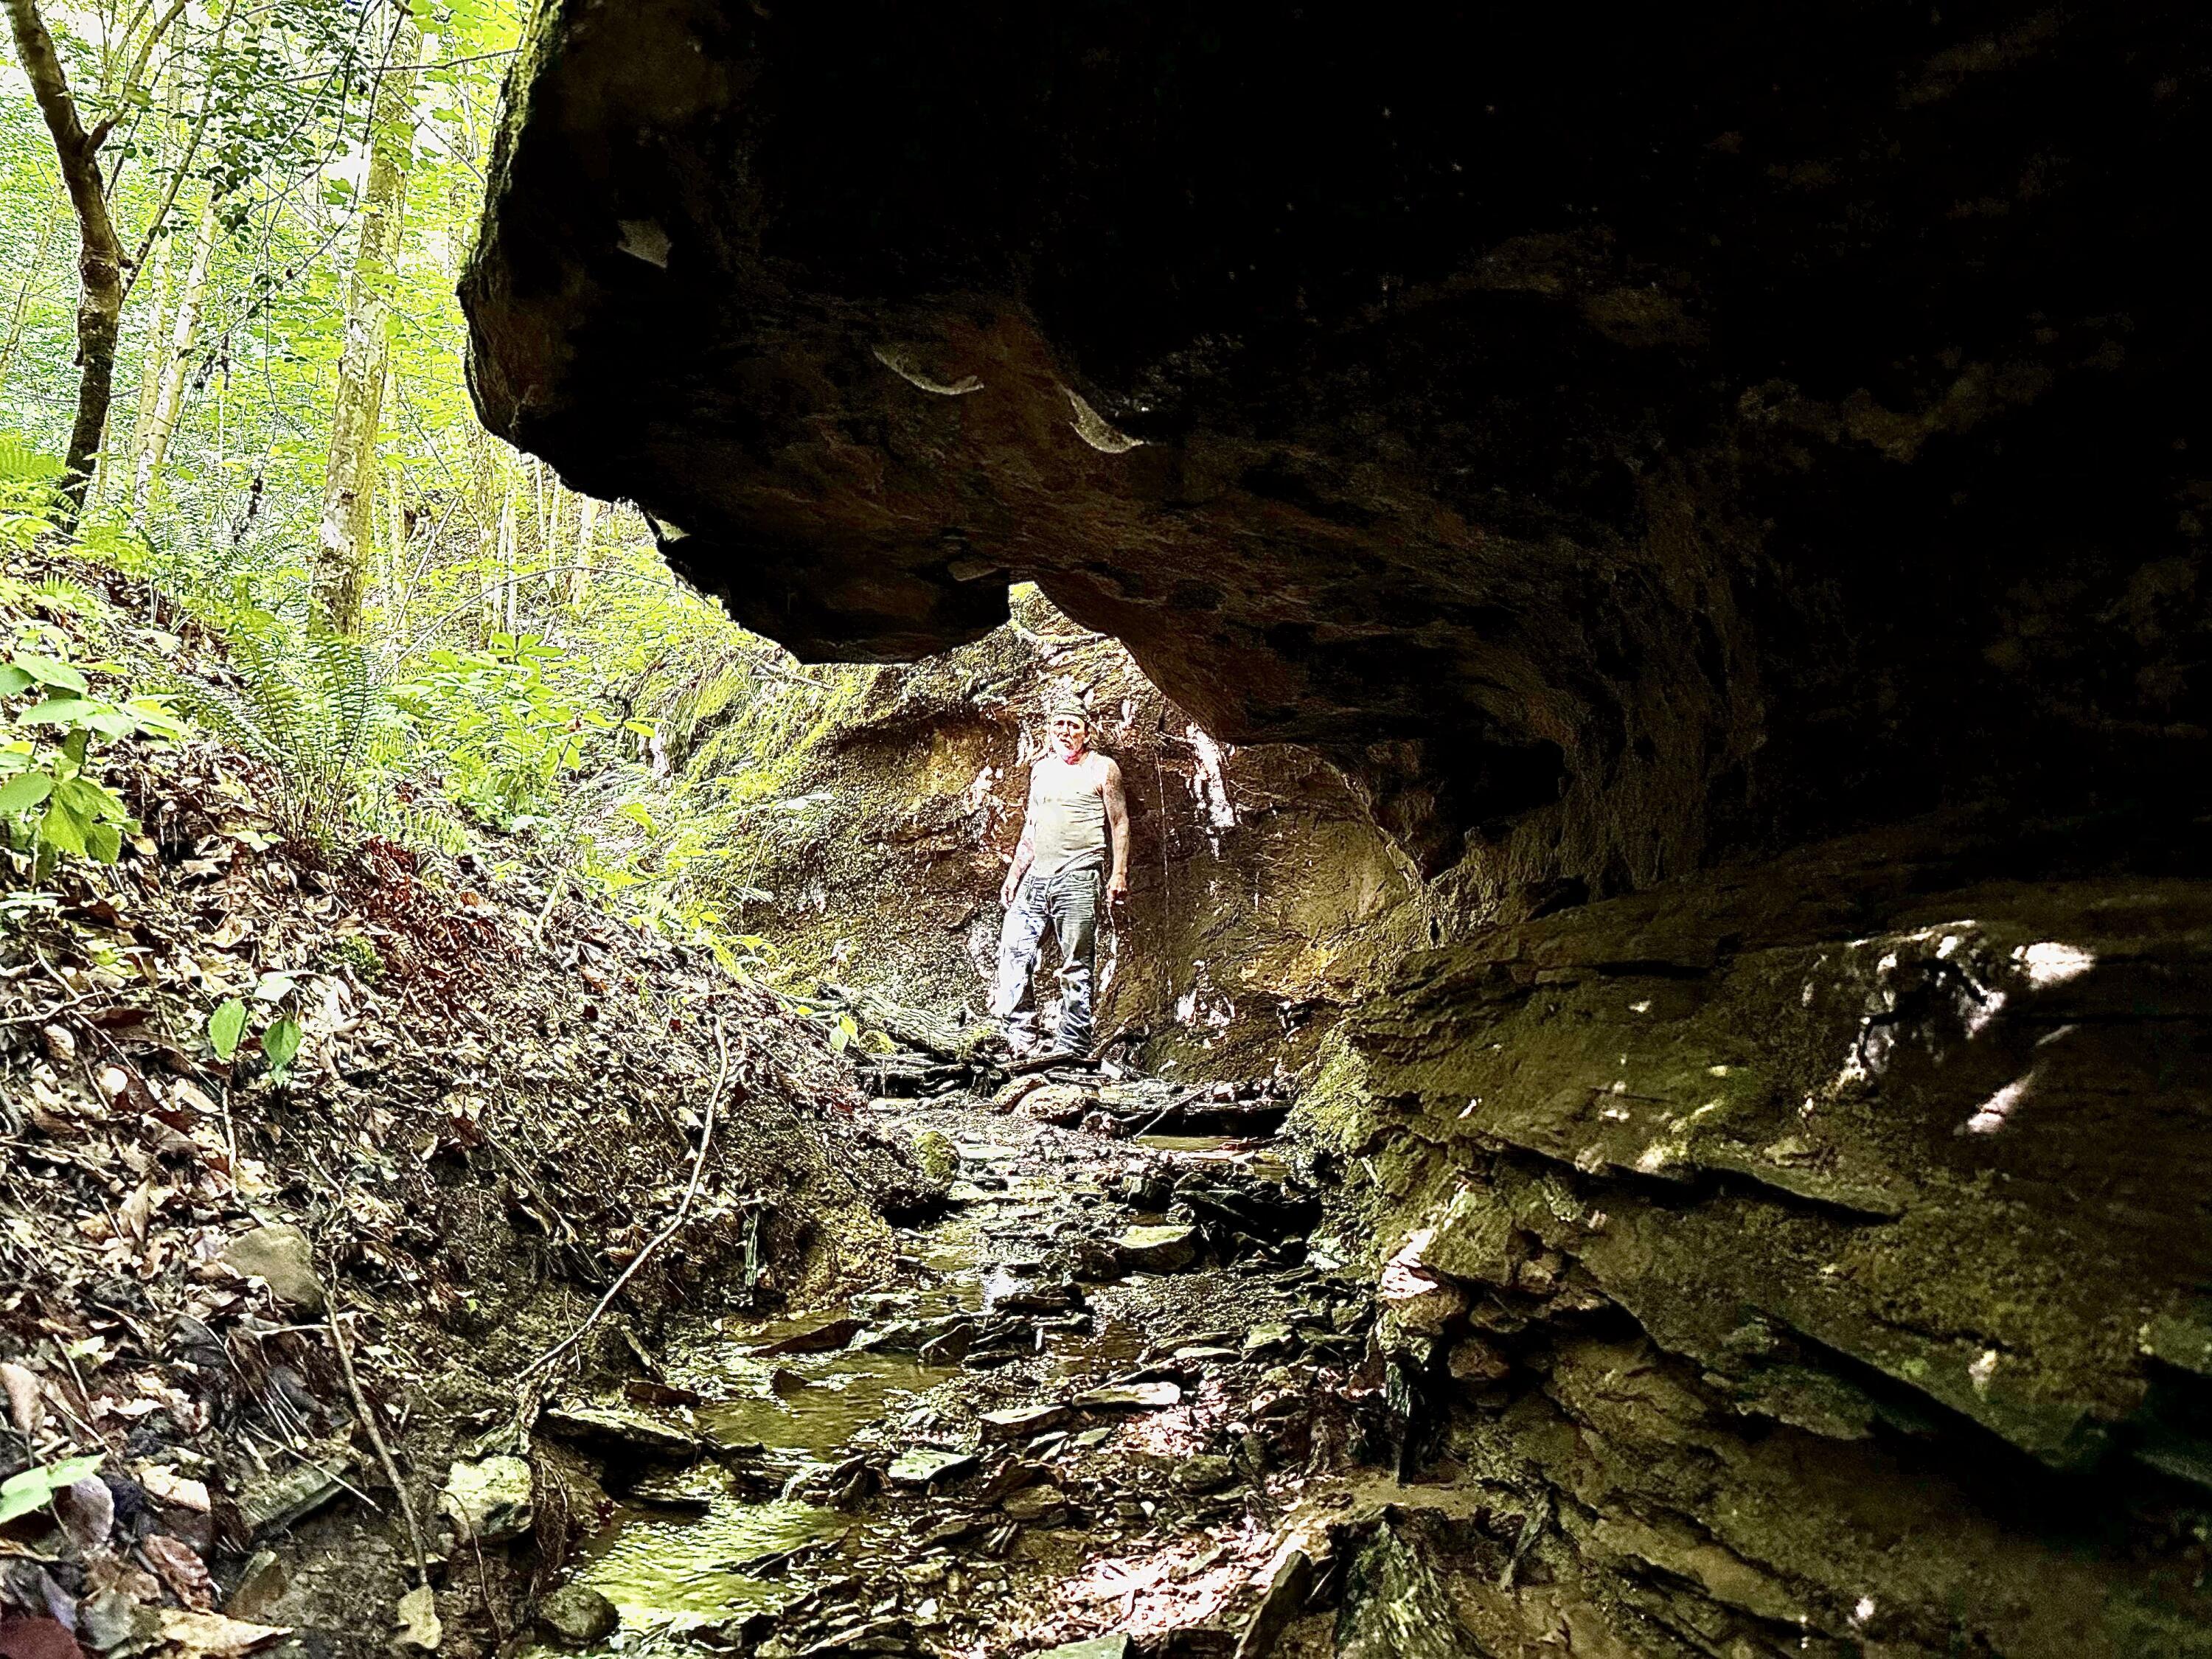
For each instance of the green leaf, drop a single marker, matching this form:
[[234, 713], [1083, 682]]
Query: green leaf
[[103, 843], [225, 1027], [24, 791], [63, 830], [88, 801], [32, 1490], [279, 1043], [47, 671], [59, 711], [14, 679]]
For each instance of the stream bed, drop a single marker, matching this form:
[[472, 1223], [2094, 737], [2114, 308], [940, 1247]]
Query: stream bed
[[1064, 1419]]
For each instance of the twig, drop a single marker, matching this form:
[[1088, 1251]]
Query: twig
[[698, 1171], [376, 1439], [483, 1582]]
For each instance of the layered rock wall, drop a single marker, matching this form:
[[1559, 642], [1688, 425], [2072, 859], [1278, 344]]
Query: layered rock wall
[[1815, 1253]]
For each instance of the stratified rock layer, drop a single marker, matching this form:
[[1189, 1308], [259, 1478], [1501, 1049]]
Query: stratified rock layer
[[1835, 1250], [1658, 430]]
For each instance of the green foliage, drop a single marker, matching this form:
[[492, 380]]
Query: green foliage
[[309, 706], [52, 800], [529, 681], [280, 1044], [226, 1027], [507, 734], [35, 1487], [280, 1038], [359, 954]]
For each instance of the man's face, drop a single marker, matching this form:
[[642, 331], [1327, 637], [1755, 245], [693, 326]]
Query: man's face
[[1067, 734]]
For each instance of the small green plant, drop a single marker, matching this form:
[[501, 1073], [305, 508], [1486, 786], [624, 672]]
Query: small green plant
[[280, 1038], [359, 953], [49, 799], [34, 1488], [505, 734], [310, 707]]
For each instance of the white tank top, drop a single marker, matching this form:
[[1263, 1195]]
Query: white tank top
[[1066, 815]]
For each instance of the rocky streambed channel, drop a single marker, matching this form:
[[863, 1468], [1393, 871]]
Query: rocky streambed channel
[[1117, 1400]]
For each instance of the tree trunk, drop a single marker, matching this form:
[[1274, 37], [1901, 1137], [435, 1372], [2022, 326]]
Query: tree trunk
[[23, 298], [100, 254], [588, 521], [151, 362], [348, 530], [169, 396]]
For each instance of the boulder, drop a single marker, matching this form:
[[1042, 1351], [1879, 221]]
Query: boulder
[[489, 1501], [576, 1615], [282, 1257]]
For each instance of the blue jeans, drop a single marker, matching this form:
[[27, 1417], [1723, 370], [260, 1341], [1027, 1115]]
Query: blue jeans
[[1069, 901]]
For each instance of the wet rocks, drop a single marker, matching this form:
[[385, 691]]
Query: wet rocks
[[1033, 1503], [1131, 1397], [617, 1431], [1204, 1473], [1161, 1249], [1396, 1606], [938, 1157], [487, 1502], [1287, 1588], [826, 1337], [576, 1615], [1017, 1423], [926, 1466]]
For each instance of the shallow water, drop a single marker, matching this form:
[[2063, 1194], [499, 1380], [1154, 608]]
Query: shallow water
[[668, 1573]]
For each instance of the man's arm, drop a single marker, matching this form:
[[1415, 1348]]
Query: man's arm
[[1025, 855], [1117, 823]]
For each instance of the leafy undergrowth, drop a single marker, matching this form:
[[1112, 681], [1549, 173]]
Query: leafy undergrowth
[[254, 1086]]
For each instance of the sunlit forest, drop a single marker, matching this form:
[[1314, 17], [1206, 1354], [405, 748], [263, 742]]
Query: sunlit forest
[[232, 369]]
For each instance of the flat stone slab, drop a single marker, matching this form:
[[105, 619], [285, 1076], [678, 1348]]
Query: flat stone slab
[[1132, 1397], [831, 1338], [1160, 1249], [625, 1430], [1022, 1422], [282, 1257], [926, 1464]]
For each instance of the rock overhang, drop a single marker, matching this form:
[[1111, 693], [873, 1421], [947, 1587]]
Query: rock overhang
[[1615, 435]]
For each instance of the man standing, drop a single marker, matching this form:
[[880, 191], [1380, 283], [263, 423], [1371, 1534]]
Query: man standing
[[1075, 798]]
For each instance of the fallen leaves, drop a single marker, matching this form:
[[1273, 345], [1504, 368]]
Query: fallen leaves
[[25, 1409], [210, 1633], [181, 1569]]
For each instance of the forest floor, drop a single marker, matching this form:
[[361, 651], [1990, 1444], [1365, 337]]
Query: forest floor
[[562, 1289]]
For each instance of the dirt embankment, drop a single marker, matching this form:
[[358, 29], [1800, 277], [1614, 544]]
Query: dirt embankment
[[497, 1105]]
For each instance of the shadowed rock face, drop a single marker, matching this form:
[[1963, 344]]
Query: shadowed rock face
[[1626, 442], [1630, 435]]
